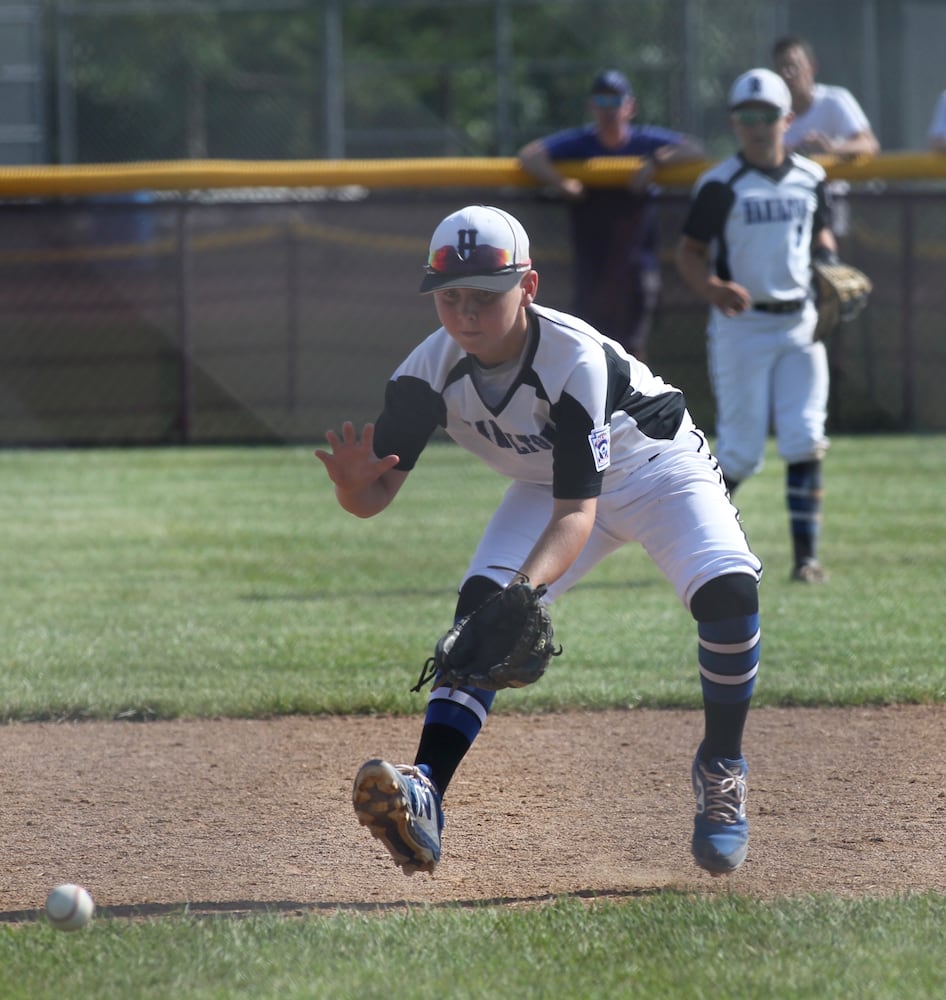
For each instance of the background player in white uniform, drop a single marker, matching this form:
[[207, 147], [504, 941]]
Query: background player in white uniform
[[746, 249], [600, 452]]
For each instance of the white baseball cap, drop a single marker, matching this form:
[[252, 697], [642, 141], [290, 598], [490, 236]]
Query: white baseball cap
[[761, 85], [477, 247]]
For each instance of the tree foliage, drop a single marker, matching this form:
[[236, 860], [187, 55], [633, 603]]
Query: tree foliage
[[418, 77]]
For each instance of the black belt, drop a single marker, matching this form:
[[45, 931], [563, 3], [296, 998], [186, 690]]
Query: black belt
[[789, 306]]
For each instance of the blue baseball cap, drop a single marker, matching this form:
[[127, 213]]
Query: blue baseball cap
[[611, 81]]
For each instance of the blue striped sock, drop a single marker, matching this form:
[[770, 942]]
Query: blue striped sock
[[452, 723], [803, 496], [729, 658], [464, 710]]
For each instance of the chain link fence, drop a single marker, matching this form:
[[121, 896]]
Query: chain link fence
[[190, 318], [183, 320]]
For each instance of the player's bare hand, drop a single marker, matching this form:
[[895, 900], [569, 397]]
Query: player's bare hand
[[642, 177], [572, 188], [729, 298], [352, 464], [816, 142]]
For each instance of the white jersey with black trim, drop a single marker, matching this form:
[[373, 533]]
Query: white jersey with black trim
[[759, 224], [579, 411]]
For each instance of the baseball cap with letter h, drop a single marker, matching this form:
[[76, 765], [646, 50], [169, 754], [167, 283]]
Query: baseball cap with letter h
[[477, 247]]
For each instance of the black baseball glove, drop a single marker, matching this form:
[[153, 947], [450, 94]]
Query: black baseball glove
[[841, 291], [506, 642]]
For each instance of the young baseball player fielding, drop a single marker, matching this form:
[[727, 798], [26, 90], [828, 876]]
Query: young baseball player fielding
[[754, 223], [600, 452]]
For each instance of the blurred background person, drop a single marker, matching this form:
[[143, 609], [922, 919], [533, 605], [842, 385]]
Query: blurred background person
[[614, 231], [828, 119], [937, 130]]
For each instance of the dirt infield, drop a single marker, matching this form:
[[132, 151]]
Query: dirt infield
[[242, 815]]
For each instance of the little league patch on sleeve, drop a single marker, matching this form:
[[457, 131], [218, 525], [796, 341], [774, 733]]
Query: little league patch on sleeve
[[600, 441]]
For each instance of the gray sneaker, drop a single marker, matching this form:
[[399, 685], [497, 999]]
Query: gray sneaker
[[400, 805], [810, 571]]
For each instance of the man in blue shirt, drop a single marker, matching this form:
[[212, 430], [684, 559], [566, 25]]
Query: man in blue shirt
[[615, 238]]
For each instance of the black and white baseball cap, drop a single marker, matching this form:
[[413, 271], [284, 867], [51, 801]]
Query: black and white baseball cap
[[477, 247], [761, 85]]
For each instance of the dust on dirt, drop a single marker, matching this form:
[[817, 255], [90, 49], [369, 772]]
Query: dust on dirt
[[237, 815]]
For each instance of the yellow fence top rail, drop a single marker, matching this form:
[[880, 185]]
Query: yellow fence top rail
[[183, 175]]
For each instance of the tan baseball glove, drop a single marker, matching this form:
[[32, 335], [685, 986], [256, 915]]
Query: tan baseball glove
[[841, 291]]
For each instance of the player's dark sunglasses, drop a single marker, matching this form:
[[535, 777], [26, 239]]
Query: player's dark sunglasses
[[757, 116], [607, 100], [482, 259]]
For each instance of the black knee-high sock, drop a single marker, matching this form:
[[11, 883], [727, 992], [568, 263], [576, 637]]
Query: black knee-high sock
[[724, 728], [442, 748]]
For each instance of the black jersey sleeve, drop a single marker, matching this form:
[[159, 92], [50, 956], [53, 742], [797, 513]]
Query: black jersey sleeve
[[413, 410], [708, 211], [823, 216], [574, 476]]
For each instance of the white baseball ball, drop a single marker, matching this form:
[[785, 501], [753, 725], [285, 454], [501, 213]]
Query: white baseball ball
[[69, 907]]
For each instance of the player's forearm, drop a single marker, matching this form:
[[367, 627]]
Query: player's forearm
[[694, 269], [534, 159], [729, 297], [825, 238], [682, 152], [862, 144], [561, 542]]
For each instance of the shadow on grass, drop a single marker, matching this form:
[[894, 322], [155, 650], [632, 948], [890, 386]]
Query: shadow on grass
[[251, 907], [334, 595]]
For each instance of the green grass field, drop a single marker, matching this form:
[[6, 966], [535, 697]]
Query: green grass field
[[226, 582]]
